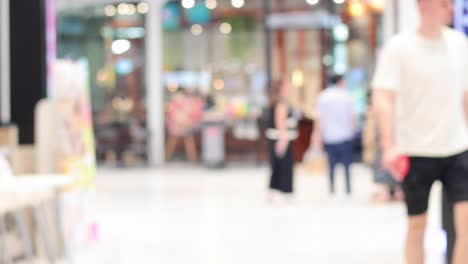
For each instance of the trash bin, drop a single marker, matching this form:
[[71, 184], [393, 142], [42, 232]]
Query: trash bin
[[213, 144]]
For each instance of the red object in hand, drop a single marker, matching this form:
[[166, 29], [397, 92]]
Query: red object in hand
[[402, 166]]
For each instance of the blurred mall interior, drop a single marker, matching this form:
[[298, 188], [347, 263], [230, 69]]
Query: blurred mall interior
[[97, 169]]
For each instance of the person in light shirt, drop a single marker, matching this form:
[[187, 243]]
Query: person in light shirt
[[420, 92], [335, 128]]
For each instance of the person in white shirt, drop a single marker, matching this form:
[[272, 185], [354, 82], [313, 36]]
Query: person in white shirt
[[420, 93], [335, 128]]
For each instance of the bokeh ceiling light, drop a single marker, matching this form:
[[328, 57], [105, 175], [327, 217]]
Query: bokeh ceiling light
[[339, 2], [327, 60], [357, 8], [143, 8], [341, 33], [377, 5], [131, 9], [218, 84], [211, 4], [297, 78], [237, 3], [110, 11], [123, 9], [225, 28], [121, 46], [196, 29], [340, 68], [312, 2], [187, 4]]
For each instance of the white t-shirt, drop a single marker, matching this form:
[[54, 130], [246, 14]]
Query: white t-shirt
[[335, 108], [429, 78]]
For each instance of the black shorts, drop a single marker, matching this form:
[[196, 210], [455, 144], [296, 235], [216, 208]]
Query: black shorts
[[451, 171]]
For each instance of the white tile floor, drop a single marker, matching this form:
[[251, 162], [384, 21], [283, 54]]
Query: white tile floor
[[190, 215]]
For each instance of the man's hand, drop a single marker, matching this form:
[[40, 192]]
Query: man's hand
[[384, 104], [316, 142], [316, 137], [389, 159], [281, 148]]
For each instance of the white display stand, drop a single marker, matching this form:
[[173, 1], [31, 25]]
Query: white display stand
[[47, 150], [65, 145]]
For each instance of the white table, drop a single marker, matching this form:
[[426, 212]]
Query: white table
[[18, 193]]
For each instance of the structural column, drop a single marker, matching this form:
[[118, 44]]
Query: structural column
[[154, 82], [28, 67], [5, 115]]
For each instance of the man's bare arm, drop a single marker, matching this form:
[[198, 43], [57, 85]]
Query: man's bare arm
[[384, 104]]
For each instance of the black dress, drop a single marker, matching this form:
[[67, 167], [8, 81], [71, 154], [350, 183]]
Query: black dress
[[281, 167]]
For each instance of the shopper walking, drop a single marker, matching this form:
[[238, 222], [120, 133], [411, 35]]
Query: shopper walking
[[420, 92], [280, 133], [183, 119], [335, 127]]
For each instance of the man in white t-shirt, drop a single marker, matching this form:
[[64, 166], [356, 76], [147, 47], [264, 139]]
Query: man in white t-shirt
[[335, 128], [420, 93]]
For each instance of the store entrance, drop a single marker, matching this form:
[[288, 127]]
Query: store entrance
[[112, 39], [303, 52], [310, 46]]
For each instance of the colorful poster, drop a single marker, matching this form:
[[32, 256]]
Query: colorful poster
[[70, 96], [68, 91]]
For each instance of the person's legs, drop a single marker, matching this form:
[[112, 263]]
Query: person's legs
[[273, 165], [347, 167], [332, 177], [284, 176], [460, 254], [417, 186], [382, 193], [456, 184], [347, 158], [170, 147], [414, 247], [332, 162], [191, 148], [287, 171]]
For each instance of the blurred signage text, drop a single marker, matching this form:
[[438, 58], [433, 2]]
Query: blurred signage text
[[306, 20]]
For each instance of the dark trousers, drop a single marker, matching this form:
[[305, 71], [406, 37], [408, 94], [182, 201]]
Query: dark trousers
[[281, 169], [340, 153]]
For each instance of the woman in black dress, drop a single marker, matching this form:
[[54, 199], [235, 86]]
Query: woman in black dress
[[280, 133]]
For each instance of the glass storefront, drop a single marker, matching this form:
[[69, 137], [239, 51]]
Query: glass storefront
[[112, 39], [216, 51], [214, 69]]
